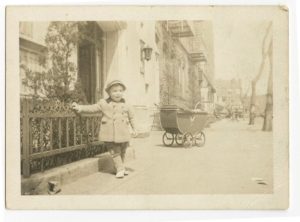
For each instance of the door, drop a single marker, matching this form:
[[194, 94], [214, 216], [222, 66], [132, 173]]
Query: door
[[87, 69]]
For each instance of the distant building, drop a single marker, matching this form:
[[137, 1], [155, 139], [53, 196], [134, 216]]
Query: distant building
[[229, 93]]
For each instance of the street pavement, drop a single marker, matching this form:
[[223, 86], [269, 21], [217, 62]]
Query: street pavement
[[236, 159]]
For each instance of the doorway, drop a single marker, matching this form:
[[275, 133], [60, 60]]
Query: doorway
[[87, 69], [90, 61]]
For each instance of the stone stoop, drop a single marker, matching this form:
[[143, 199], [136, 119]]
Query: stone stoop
[[38, 184]]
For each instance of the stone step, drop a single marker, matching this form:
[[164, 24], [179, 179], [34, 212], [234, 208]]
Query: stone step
[[38, 184]]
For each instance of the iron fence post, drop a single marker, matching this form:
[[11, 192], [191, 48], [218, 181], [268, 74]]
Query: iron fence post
[[26, 145]]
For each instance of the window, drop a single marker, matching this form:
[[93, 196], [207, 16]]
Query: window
[[146, 88], [182, 80], [31, 60], [182, 75], [156, 38], [142, 60], [26, 29], [165, 52]]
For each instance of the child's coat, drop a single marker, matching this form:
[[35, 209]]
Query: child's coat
[[115, 121]]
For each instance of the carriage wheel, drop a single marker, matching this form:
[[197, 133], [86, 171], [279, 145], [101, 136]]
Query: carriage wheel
[[168, 139], [179, 139], [200, 139], [187, 140]]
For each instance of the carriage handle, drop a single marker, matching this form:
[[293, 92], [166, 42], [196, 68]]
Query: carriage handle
[[197, 104]]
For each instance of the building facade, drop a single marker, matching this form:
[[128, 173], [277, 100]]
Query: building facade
[[229, 93], [186, 63], [113, 50]]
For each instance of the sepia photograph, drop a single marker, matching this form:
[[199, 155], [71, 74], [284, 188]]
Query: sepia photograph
[[192, 104]]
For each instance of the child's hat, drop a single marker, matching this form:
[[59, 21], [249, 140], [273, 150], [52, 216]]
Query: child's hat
[[112, 83]]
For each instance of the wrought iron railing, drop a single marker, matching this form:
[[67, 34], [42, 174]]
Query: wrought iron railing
[[53, 135]]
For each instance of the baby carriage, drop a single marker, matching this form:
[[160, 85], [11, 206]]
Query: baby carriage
[[184, 127]]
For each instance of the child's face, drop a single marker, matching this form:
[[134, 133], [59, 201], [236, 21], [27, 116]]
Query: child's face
[[116, 93]]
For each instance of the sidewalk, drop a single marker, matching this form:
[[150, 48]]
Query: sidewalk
[[236, 159]]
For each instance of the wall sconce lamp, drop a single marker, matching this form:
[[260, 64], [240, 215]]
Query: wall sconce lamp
[[147, 52]]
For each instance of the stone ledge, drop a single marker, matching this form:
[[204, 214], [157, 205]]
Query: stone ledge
[[143, 134], [37, 184]]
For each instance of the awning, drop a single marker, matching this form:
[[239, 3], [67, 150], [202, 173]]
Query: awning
[[213, 90], [108, 26], [31, 44]]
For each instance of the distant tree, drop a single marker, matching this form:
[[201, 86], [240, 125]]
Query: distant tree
[[265, 52], [55, 82], [268, 117]]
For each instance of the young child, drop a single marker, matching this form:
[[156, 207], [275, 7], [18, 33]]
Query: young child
[[114, 129]]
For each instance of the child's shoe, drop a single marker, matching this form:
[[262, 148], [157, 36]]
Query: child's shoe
[[120, 174], [126, 172]]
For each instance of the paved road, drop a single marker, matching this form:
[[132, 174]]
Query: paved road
[[234, 160]]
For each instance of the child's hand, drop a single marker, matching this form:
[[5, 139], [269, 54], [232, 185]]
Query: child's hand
[[134, 133], [76, 107]]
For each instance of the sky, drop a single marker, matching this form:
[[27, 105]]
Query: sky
[[237, 49]]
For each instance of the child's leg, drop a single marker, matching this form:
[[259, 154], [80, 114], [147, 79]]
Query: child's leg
[[115, 152], [123, 151], [123, 155]]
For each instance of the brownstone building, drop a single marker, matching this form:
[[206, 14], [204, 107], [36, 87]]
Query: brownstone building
[[186, 63]]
